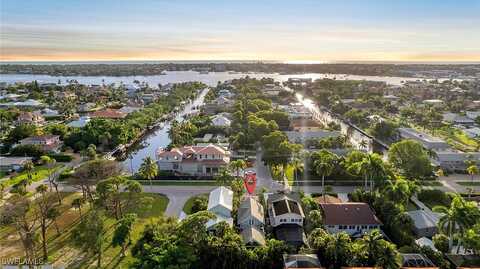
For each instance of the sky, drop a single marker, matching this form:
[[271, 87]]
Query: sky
[[292, 31]]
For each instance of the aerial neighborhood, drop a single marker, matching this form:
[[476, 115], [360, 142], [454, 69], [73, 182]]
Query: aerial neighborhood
[[248, 172]]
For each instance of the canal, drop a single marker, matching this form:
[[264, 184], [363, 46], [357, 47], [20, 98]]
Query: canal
[[149, 144]]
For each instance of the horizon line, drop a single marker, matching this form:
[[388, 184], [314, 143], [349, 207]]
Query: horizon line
[[292, 62]]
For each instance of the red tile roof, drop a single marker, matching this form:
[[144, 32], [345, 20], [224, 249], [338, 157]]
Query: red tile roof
[[108, 114], [348, 213]]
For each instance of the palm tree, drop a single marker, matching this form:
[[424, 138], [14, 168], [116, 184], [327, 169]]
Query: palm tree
[[451, 219], [371, 245], [77, 203], [400, 190], [338, 249], [149, 170], [298, 158], [324, 165], [28, 167], [224, 178], [237, 165], [472, 170]]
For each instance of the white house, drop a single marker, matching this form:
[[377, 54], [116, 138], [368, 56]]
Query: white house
[[472, 114], [454, 161], [284, 209], [194, 160], [250, 213], [220, 202], [47, 112], [80, 123], [353, 218], [221, 120], [472, 132], [428, 142]]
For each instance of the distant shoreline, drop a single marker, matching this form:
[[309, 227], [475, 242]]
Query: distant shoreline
[[239, 62]]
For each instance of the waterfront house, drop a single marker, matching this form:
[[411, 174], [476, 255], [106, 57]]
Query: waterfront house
[[202, 161], [220, 203], [8, 164], [48, 143], [35, 118], [108, 114], [355, 219]]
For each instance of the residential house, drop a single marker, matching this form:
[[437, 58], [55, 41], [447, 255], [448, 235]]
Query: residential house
[[286, 217], [129, 109], [301, 136], [86, 107], [225, 93], [220, 104], [301, 261], [473, 132], [473, 115], [47, 143], [416, 260], [305, 125], [221, 121], [108, 114], [355, 219], [272, 90], [47, 112], [220, 202], [428, 142], [433, 102], [80, 123], [457, 119], [454, 161], [194, 160], [391, 98], [424, 224], [8, 164], [30, 103], [35, 118], [297, 111], [250, 220]]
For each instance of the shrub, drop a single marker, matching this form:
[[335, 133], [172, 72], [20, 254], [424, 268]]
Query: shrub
[[434, 197], [61, 157], [200, 203], [440, 241], [27, 150]]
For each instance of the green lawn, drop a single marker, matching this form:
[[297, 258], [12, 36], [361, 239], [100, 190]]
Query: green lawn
[[187, 208], [39, 173], [180, 182], [289, 173], [468, 183], [61, 249]]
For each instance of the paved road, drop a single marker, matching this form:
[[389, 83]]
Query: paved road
[[264, 178]]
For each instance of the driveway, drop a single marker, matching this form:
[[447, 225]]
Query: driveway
[[178, 196]]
